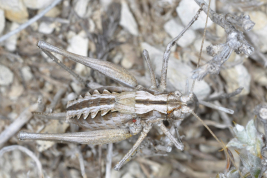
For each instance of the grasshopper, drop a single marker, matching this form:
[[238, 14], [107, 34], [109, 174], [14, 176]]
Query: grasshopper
[[113, 114]]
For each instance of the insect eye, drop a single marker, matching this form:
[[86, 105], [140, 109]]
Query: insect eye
[[178, 93], [246, 17]]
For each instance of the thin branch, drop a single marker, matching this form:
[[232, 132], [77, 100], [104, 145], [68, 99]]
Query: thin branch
[[56, 98], [26, 151], [226, 95], [235, 40], [109, 160], [81, 161], [13, 128], [29, 22]]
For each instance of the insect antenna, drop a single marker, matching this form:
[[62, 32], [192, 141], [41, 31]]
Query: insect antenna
[[202, 43], [216, 138], [209, 104]]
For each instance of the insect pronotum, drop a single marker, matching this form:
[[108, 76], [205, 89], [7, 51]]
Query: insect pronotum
[[114, 114]]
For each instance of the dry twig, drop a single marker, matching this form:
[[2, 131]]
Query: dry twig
[[13, 128], [28, 152]]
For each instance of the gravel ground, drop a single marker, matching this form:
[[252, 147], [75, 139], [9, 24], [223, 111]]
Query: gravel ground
[[118, 31]]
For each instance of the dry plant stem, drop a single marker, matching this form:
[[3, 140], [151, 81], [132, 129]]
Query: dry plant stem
[[56, 19], [109, 69], [56, 98], [202, 43], [235, 40], [221, 143], [57, 61], [32, 20], [41, 105], [167, 53], [13, 128], [81, 161], [26, 151], [226, 119], [109, 160], [144, 169], [54, 116], [226, 95], [100, 160], [188, 171]]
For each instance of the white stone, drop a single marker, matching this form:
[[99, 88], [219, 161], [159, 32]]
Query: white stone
[[37, 4], [187, 9], [15, 10], [81, 8], [235, 77], [78, 44], [6, 76], [260, 75], [173, 28], [2, 20], [259, 18], [127, 175], [54, 12], [105, 3], [76, 87], [11, 42], [16, 90], [262, 34], [134, 170], [26, 73], [46, 27], [127, 20], [178, 72], [198, 42]]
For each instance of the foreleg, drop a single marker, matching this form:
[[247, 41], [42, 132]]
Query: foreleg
[[167, 53], [151, 71], [179, 145]]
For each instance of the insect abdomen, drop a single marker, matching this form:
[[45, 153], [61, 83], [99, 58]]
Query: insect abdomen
[[112, 120], [91, 104]]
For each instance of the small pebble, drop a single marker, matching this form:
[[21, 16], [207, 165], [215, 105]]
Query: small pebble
[[173, 28], [188, 9], [235, 77], [26, 73], [46, 27], [81, 8], [37, 4], [15, 10], [11, 42], [127, 20], [2, 20], [6, 76]]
